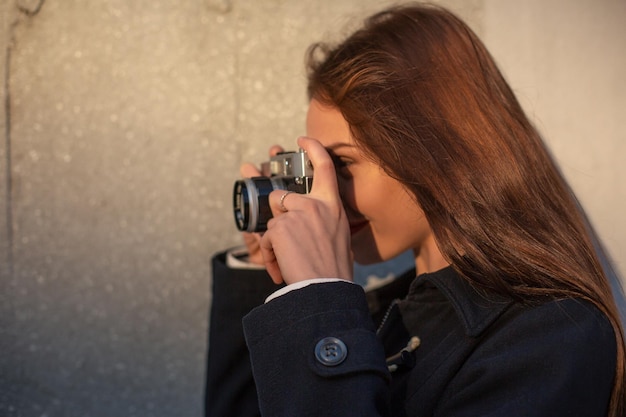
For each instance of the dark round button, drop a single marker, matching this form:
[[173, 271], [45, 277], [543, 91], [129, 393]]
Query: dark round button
[[330, 351]]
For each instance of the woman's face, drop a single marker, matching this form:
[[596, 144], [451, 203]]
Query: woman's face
[[384, 219]]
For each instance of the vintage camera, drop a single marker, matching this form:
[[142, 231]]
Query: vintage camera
[[291, 171]]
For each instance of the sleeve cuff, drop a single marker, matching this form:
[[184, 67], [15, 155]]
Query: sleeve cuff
[[237, 258], [302, 284]]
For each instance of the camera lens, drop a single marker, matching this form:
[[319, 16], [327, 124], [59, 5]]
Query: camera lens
[[250, 203]]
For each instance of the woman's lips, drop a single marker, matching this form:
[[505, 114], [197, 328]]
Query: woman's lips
[[356, 226]]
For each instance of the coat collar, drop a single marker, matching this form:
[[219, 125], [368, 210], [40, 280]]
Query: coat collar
[[476, 309]]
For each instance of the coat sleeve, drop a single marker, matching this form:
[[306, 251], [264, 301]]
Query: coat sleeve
[[230, 389], [557, 359], [314, 352]]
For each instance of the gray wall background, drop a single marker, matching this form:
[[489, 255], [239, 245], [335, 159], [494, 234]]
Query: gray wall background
[[123, 125]]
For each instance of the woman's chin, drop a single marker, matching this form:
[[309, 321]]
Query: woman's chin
[[364, 250], [356, 227]]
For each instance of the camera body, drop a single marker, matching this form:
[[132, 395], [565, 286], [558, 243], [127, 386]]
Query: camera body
[[290, 171]]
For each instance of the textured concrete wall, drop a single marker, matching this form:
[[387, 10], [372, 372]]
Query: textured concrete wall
[[124, 127]]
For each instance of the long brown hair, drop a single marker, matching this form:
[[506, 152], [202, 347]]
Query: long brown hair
[[426, 101]]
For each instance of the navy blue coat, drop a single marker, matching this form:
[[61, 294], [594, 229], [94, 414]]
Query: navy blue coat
[[333, 350]]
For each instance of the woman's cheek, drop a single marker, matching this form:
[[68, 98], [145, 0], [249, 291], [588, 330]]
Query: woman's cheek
[[347, 193]]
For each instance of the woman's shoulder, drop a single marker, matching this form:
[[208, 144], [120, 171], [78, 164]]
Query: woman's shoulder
[[568, 333], [571, 325], [482, 312], [551, 357]]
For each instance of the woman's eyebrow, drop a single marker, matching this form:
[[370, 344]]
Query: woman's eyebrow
[[338, 145]]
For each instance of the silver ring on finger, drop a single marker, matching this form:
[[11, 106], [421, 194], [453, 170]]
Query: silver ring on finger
[[282, 201]]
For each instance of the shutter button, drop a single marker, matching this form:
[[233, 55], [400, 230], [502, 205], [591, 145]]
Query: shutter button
[[330, 351]]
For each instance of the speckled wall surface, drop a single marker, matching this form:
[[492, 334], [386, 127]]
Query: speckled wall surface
[[124, 127]]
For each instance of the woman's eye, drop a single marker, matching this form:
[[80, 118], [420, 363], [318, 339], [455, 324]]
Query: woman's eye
[[342, 166], [340, 162]]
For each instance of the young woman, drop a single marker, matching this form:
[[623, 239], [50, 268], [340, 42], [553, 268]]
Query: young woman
[[417, 142]]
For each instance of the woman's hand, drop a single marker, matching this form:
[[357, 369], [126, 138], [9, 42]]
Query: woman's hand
[[251, 240], [311, 239]]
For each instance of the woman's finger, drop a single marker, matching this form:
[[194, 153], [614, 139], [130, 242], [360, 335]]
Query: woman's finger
[[324, 174], [275, 150], [249, 170], [278, 201], [270, 260], [252, 242]]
